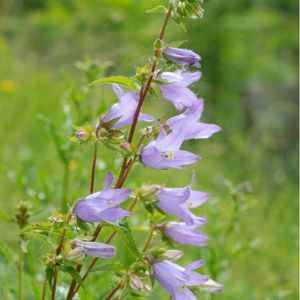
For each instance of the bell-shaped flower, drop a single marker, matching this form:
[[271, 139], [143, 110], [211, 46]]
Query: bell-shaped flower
[[91, 248], [164, 153], [185, 234], [177, 90], [175, 279], [177, 201], [189, 122], [103, 206], [183, 57], [123, 111]]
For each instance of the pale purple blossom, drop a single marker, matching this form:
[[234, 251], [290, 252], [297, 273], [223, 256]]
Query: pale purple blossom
[[177, 90], [123, 111], [185, 234], [93, 248], [103, 206], [183, 57], [189, 122], [175, 279], [164, 153], [177, 201]]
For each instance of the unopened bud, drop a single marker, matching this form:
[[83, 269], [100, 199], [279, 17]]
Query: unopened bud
[[172, 254], [135, 282], [211, 286], [149, 190], [22, 213]]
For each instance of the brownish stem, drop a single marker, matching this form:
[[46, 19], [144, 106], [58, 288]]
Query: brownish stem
[[144, 91], [114, 290], [54, 284], [92, 184]]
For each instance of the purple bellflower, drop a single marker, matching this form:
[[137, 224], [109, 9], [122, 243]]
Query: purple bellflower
[[175, 279], [103, 206], [177, 90], [124, 110], [93, 248], [164, 153], [189, 122], [185, 234], [177, 201], [183, 57]]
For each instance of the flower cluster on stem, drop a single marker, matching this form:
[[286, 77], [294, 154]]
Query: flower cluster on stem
[[172, 72]]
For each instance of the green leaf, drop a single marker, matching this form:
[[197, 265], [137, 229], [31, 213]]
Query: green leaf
[[124, 230], [160, 9], [6, 217], [72, 271], [110, 267], [49, 274], [120, 80], [36, 289], [176, 44], [6, 253]]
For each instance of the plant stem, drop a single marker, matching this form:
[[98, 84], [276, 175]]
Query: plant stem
[[93, 172], [20, 270], [54, 284], [65, 187], [114, 290], [149, 239], [44, 288], [144, 91]]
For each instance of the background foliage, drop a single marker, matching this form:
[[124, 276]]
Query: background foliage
[[250, 84]]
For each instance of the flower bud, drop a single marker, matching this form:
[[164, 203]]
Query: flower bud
[[149, 190], [211, 286], [182, 57], [135, 282], [22, 213], [172, 254]]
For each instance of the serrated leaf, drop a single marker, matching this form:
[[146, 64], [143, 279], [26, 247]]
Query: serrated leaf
[[75, 275], [120, 80], [160, 9]]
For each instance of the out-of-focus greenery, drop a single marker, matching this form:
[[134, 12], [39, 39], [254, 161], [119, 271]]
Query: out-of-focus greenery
[[250, 84]]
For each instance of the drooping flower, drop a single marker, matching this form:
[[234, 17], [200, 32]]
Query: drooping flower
[[164, 153], [189, 122], [80, 248], [123, 111], [103, 206], [177, 201], [182, 56], [175, 279], [177, 91], [185, 234]]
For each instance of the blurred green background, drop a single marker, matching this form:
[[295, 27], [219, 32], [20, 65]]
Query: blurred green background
[[249, 53]]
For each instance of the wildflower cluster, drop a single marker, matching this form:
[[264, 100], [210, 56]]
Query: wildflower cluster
[[159, 146]]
